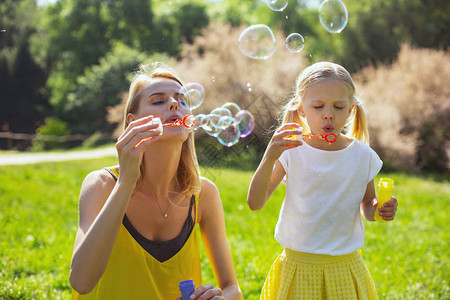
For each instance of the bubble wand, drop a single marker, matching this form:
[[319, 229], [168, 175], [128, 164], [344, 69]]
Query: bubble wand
[[329, 137], [188, 121]]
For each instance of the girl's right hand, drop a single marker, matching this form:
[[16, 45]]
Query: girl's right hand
[[282, 140], [132, 144]]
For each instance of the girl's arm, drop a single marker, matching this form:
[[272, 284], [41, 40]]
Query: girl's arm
[[270, 172], [103, 204], [369, 204], [212, 226]]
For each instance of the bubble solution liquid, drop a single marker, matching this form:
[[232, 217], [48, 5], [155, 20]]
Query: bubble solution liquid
[[385, 186], [187, 287]]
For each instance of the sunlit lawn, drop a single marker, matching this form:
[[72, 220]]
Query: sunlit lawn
[[408, 259]]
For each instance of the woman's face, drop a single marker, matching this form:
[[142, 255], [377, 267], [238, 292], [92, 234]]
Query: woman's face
[[161, 99]]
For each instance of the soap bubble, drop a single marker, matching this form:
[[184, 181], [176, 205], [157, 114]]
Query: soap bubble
[[295, 42], [277, 5], [229, 136], [221, 117], [208, 127], [199, 119], [192, 94], [245, 122], [232, 107], [333, 15], [257, 42]]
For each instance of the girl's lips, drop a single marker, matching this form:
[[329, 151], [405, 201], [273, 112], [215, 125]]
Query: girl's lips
[[328, 129]]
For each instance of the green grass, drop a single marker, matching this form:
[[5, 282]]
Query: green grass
[[408, 259]]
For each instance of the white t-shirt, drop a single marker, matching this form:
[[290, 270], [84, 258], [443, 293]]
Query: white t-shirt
[[324, 190]]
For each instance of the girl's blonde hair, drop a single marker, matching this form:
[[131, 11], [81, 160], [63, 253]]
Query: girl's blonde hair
[[188, 173], [356, 126]]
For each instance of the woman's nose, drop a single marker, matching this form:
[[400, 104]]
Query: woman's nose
[[173, 104]]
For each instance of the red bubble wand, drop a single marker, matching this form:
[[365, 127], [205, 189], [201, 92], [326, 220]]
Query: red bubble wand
[[188, 121], [329, 137]]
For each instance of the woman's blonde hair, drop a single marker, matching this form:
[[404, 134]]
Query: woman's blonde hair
[[356, 126], [188, 173]]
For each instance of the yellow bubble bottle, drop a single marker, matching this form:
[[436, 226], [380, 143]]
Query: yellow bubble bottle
[[385, 186]]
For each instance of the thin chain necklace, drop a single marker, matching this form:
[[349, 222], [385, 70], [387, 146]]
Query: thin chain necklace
[[165, 214]]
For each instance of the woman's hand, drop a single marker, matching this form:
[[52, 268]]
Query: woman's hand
[[283, 139], [132, 144], [204, 292], [388, 210]]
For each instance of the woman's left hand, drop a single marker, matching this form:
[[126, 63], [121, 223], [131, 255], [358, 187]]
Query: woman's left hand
[[207, 291]]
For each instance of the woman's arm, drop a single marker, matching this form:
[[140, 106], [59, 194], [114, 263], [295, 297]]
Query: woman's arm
[[212, 226], [101, 209], [103, 204], [270, 171]]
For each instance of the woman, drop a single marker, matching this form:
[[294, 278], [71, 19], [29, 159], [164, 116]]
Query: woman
[[137, 237]]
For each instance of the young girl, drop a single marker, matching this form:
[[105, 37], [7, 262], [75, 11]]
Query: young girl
[[329, 184], [137, 236]]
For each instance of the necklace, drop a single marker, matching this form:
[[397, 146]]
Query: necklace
[[165, 214]]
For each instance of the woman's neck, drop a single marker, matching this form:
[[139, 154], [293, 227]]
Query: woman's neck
[[160, 165]]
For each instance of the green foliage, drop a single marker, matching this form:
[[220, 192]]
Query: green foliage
[[101, 86], [407, 258], [190, 19], [46, 133]]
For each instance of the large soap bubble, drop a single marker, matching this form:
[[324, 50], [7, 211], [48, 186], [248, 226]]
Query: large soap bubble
[[257, 42], [277, 5], [295, 42], [333, 15], [192, 94]]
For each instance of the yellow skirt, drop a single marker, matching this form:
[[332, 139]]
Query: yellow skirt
[[297, 275]]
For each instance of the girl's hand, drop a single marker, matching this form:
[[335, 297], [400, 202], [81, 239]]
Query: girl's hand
[[388, 210], [283, 139], [132, 144], [204, 292]]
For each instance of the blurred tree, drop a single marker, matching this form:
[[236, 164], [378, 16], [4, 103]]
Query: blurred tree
[[190, 19], [101, 86], [22, 95]]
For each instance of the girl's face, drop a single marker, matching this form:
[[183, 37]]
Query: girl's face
[[326, 106], [161, 99]]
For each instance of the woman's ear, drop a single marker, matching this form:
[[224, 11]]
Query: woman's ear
[[130, 118]]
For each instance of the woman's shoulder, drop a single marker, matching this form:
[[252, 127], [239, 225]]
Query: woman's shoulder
[[98, 180], [207, 186]]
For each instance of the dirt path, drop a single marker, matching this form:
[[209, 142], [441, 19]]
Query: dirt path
[[31, 158]]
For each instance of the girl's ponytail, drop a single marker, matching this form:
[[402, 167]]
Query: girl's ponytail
[[290, 115], [358, 123]]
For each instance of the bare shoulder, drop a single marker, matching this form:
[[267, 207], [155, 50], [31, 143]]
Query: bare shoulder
[[96, 188], [209, 198], [207, 186]]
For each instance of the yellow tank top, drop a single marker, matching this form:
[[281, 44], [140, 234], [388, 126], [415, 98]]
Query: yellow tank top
[[132, 273]]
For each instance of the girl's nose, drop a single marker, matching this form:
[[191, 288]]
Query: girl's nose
[[328, 114], [173, 104]]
